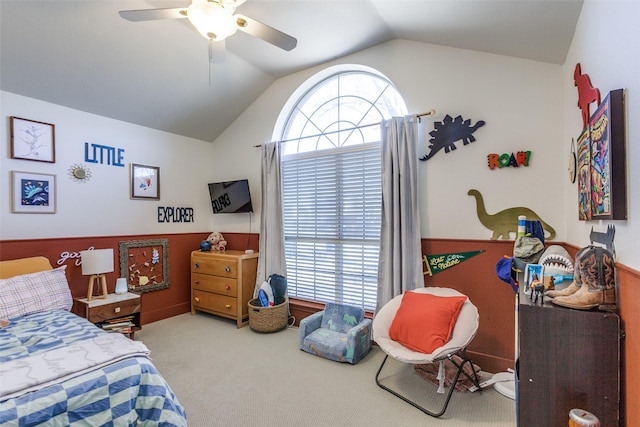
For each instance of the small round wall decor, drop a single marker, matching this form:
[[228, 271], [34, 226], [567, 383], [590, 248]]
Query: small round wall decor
[[572, 162], [79, 173]]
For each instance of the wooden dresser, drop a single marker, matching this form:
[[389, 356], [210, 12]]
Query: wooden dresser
[[222, 283], [568, 359]]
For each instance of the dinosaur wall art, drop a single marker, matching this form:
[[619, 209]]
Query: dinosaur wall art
[[506, 221], [586, 93], [448, 131]]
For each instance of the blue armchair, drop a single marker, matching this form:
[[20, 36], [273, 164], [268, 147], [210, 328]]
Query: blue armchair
[[339, 333]]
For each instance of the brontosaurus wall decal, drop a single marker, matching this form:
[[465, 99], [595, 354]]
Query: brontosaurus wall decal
[[506, 221]]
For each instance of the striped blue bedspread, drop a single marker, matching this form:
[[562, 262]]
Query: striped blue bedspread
[[126, 393]]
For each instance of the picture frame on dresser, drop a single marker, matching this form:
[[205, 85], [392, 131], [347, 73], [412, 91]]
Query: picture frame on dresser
[[32, 140], [33, 192]]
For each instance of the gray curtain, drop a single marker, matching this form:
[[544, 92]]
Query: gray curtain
[[400, 248], [271, 258]]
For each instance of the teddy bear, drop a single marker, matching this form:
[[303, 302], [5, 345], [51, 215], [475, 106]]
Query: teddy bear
[[217, 241]]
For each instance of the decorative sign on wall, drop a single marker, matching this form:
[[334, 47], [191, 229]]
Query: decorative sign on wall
[[103, 154], [521, 158], [448, 131], [436, 263], [171, 214], [64, 256], [601, 162]]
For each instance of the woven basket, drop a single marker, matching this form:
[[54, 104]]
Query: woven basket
[[268, 319]]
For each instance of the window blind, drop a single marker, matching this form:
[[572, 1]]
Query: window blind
[[332, 208]]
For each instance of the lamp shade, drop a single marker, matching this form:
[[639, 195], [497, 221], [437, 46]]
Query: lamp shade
[[97, 261]]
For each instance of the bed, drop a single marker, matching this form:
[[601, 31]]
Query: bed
[[57, 368]]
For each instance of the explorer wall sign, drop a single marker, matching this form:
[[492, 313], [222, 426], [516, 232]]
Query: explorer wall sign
[[171, 214]]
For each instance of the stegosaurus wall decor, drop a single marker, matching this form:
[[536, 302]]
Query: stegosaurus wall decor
[[506, 221], [448, 131]]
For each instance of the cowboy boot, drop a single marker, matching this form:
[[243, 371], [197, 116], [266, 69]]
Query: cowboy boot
[[583, 299], [597, 271], [569, 290]]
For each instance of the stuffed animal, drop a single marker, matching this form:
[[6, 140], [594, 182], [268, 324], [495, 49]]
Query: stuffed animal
[[217, 241]]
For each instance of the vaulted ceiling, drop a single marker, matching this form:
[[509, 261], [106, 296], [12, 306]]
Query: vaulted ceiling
[[83, 55]]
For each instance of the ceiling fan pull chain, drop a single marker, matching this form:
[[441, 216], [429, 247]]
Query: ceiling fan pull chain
[[210, 44]]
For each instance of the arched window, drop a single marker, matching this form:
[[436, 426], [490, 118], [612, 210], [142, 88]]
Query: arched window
[[331, 175]]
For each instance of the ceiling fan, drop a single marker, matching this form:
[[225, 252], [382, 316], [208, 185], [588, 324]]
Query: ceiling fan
[[216, 20]]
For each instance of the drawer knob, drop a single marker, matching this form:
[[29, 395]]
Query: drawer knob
[[196, 282], [116, 310], [228, 306], [197, 299], [227, 287], [227, 269], [196, 265]]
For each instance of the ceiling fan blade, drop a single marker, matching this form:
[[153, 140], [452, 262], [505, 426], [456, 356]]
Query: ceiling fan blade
[[153, 14], [265, 32]]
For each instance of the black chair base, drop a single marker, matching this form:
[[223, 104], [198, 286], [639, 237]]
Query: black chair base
[[442, 410]]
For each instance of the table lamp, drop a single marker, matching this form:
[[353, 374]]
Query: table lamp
[[96, 262]]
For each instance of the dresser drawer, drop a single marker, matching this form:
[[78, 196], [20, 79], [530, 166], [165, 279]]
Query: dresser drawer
[[213, 302], [100, 313], [219, 285], [217, 266]]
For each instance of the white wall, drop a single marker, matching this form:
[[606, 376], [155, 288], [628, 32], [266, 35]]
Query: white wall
[[520, 101], [527, 105], [101, 206], [606, 45]]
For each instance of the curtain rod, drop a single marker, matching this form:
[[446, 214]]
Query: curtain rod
[[428, 113]]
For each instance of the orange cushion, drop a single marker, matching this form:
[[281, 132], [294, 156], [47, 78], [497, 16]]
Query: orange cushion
[[424, 322]]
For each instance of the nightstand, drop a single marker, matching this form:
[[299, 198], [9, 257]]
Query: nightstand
[[116, 313]]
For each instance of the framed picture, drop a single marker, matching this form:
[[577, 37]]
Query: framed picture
[[33, 192], [32, 140], [145, 182], [607, 159], [145, 264], [533, 274], [583, 172]]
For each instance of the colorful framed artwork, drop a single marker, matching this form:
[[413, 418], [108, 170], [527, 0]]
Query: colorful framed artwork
[[33, 192], [145, 264], [32, 140], [583, 171], [607, 159], [145, 182]]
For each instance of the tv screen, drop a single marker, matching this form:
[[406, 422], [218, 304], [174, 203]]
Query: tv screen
[[230, 196]]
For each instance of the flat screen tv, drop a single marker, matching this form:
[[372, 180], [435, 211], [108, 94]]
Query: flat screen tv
[[230, 196]]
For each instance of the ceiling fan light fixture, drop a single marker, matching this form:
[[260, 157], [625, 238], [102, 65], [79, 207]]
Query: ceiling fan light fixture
[[211, 20]]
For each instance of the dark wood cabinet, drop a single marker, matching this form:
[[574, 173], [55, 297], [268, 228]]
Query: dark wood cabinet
[[568, 359]]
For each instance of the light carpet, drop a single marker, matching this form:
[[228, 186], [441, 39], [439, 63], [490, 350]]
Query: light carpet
[[226, 376]]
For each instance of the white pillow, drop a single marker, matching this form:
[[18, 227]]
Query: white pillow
[[34, 293]]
